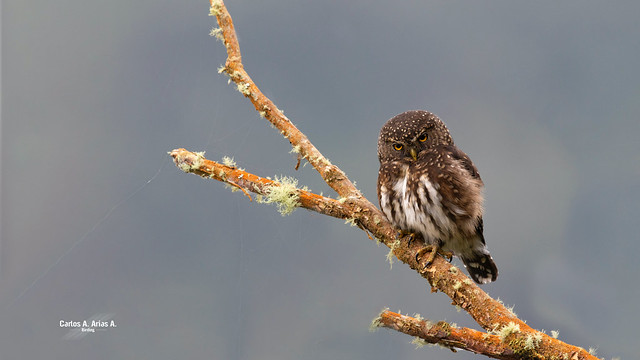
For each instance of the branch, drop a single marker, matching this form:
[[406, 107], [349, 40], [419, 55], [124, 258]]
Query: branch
[[509, 342], [515, 337], [281, 192], [446, 335]]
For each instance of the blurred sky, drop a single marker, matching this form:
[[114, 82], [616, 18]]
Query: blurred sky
[[544, 96]]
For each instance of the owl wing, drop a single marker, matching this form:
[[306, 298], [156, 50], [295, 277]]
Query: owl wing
[[466, 162], [480, 264], [458, 156], [480, 230], [388, 171]]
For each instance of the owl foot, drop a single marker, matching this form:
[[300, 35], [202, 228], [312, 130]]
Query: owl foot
[[402, 234], [433, 251]]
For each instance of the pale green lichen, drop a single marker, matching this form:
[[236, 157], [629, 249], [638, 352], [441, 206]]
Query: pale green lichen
[[284, 195], [320, 160], [428, 324], [418, 342], [555, 334], [532, 341], [216, 8], [263, 114], [377, 321], [457, 285], [393, 246], [192, 165], [592, 351], [228, 161], [418, 317], [221, 69], [231, 187], [184, 166], [244, 88], [351, 222], [295, 150], [511, 328], [217, 33]]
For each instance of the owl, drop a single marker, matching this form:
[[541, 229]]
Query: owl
[[427, 186]]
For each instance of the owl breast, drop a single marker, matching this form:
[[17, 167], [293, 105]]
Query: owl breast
[[414, 204]]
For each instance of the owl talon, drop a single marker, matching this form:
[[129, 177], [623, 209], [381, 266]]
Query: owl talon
[[433, 251], [446, 254], [402, 234]]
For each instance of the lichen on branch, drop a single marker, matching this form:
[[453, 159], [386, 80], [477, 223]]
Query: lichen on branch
[[284, 195]]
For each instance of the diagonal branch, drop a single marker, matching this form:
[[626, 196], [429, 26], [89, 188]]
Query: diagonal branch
[[441, 275], [233, 67]]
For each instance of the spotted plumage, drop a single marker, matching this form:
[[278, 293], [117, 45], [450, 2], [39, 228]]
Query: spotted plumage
[[426, 185]]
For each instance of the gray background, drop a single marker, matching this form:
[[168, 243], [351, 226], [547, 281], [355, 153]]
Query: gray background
[[544, 97]]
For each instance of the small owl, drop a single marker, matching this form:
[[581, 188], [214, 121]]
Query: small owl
[[427, 186]]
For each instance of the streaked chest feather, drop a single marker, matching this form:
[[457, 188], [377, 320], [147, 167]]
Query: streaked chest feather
[[414, 204]]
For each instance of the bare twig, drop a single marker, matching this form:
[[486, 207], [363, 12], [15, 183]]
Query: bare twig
[[516, 338]]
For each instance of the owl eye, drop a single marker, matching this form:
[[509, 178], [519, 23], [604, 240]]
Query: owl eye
[[422, 138], [397, 146]]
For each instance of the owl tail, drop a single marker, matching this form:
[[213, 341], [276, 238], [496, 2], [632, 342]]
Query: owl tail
[[481, 267]]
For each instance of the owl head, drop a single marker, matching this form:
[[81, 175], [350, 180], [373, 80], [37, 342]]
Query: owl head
[[406, 135]]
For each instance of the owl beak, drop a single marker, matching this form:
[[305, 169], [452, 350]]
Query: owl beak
[[414, 153]]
